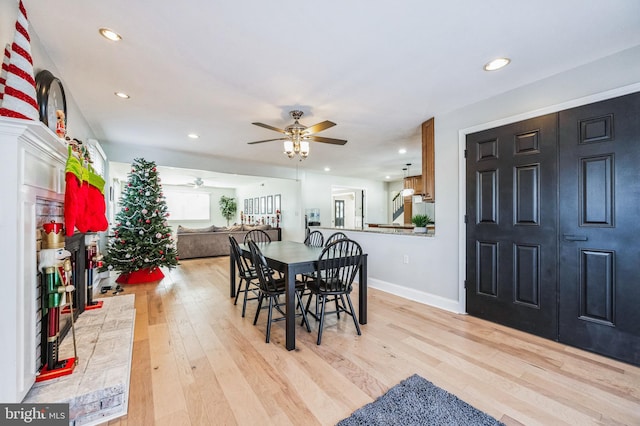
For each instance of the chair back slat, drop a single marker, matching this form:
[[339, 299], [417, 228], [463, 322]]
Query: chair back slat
[[243, 263], [314, 239], [264, 272], [334, 237], [257, 235], [338, 265]]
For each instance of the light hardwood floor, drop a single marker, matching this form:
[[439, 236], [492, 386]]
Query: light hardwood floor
[[196, 361]]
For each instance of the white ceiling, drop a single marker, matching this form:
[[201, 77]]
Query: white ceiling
[[376, 68]]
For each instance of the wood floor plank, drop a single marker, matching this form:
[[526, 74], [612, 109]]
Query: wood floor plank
[[198, 362]]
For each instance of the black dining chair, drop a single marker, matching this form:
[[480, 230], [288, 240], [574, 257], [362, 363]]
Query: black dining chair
[[337, 267], [257, 235], [247, 274], [334, 237], [272, 288], [315, 239]]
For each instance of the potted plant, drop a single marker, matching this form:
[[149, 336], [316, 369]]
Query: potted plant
[[421, 221], [228, 207]]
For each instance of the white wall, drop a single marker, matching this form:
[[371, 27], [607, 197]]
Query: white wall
[[316, 193], [571, 88], [77, 126], [291, 222]]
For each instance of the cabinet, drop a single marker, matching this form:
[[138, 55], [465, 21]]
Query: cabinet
[[428, 161], [414, 182], [31, 167]]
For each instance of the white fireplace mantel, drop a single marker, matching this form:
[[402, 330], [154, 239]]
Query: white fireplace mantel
[[32, 161]]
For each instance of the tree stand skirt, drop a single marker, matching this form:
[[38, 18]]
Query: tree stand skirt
[[140, 276]]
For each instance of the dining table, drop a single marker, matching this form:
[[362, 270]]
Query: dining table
[[292, 258]]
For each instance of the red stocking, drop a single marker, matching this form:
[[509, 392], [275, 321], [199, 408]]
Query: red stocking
[[96, 207], [72, 201], [74, 197], [84, 221]]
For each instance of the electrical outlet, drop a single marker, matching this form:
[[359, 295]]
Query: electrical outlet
[[405, 259]]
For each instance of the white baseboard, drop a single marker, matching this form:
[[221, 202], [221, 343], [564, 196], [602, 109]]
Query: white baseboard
[[416, 295]]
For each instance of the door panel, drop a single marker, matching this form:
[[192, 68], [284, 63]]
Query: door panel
[[553, 209], [599, 223], [512, 225]]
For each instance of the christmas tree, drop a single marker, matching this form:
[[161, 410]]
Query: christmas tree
[[142, 238]]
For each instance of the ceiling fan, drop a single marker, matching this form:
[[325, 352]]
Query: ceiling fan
[[297, 136], [197, 183]]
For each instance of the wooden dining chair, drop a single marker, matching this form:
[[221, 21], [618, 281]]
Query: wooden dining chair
[[315, 239], [337, 267], [334, 237], [272, 288], [257, 235], [247, 274]]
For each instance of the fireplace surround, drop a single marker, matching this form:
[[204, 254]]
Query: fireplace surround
[[31, 168]]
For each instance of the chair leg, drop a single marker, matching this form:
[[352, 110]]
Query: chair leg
[[353, 315], [304, 312], [306, 309], [244, 303], [238, 291], [260, 297], [322, 304], [269, 316]]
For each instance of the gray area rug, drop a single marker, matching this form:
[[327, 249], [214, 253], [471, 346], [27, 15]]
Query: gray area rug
[[417, 401]]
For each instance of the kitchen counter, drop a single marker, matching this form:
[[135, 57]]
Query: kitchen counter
[[383, 229]]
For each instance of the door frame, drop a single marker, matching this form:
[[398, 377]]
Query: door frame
[[462, 181]]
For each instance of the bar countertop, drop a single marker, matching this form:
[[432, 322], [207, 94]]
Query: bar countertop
[[406, 230]]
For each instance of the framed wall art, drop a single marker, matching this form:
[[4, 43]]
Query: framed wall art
[[270, 204], [276, 203]]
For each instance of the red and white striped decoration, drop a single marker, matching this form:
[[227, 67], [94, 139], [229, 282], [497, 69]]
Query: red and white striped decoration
[[5, 69], [19, 99]]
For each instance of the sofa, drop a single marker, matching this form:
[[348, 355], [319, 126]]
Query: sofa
[[214, 241]]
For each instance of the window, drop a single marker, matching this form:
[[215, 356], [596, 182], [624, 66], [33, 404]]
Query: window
[[185, 205]]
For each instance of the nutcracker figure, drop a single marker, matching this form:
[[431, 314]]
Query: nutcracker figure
[[55, 265], [91, 262]]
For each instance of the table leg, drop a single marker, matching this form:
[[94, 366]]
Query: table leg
[[362, 291], [232, 275], [291, 309]]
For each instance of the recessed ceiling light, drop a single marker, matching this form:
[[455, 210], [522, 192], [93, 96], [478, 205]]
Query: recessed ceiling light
[[122, 95], [496, 64], [402, 151], [110, 34], [193, 136], [327, 169], [387, 177]]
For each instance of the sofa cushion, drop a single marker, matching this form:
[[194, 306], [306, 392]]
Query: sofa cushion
[[252, 227], [185, 230]]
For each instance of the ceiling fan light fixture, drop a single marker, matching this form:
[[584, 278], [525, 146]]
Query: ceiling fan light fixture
[[304, 149], [288, 149]]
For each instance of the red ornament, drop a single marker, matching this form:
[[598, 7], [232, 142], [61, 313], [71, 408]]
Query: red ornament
[[126, 209], [161, 252], [147, 221]]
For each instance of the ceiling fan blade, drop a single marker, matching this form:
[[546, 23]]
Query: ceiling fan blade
[[268, 140], [266, 126], [327, 140], [319, 127]]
